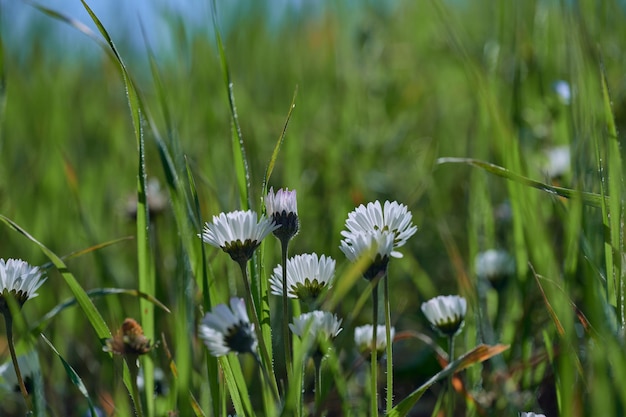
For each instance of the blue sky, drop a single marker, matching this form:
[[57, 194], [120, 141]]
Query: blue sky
[[20, 22]]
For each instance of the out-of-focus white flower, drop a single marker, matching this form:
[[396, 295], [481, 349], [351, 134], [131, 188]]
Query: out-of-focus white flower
[[238, 233], [321, 325], [530, 414], [307, 276], [378, 245], [363, 337], [563, 90], [495, 266], [282, 207], [446, 313], [391, 217], [29, 367], [226, 330], [558, 161]]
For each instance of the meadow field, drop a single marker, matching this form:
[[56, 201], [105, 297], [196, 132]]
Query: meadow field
[[497, 124]]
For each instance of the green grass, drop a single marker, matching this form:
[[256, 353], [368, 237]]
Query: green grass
[[381, 97]]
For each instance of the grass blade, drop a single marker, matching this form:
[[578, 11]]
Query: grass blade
[[614, 210], [92, 314], [242, 170], [279, 142], [74, 377], [591, 199], [479, 354], [145, 272]]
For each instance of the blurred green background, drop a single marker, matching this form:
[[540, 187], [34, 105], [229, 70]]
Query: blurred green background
[[383, 90]]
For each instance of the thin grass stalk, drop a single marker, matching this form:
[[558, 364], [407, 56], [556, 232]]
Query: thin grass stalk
[[215, 386], [388, 346], [266, 359], [284, 243], [266, 375], [374, 355], [8, 319], [450, 388]]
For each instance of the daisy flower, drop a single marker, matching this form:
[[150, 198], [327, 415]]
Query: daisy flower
[[376, 244], [496, 266], [307, 276], [364, 340], [238, 233], [321, 325], [525, 414], [282, 207], [29, 368], [19, 279], [446, 314], [390, 217], [226, 330]]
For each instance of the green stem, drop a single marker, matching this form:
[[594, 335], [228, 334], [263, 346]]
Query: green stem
[[133, 368], [389, 346], [266, 375], [450, 389], [318, 383], [267, 361], [20, 381], [374, 356], [286, 337]]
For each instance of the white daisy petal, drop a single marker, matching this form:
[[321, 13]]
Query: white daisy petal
[[446, 313], [307, 276], [226, 330], [19, 278]]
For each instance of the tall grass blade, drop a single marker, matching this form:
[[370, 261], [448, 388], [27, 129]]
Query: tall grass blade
[[95, 293], [74, 377], [242, 173], [279, 142], [239, 152], [92, 314], [145, 266], [589, 198], [236, 385], [479, 354], [3, 86], [212, 362], [615, 212]]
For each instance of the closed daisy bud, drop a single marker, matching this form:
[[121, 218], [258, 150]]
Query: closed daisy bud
[[282, 207], [446, 314]]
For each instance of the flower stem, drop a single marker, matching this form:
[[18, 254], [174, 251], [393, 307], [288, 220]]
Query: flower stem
[[266, 375], [318, 383], [374, 356], [389, 346], [8, 319], [450, 389], [286, 337], [133, 368], [267, 361]]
